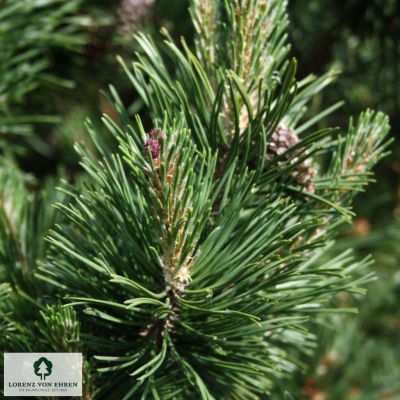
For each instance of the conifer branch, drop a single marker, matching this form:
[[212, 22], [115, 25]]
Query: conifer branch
[[191, 260]]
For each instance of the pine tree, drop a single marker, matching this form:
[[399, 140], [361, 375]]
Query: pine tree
[[195, 257], [43, 370]]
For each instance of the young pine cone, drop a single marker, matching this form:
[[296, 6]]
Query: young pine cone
[[281, 141], [133, 15]]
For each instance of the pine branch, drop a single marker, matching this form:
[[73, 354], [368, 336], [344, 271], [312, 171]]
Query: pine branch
[[194, 256]]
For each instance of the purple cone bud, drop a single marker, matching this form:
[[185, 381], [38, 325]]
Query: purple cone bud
[[155, 147], [154, 144], [153, 133]]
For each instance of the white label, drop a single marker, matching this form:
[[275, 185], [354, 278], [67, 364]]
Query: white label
[[42, 374]]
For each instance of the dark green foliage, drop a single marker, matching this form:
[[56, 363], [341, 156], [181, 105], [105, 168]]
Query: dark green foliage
[[193, 262], [29, 30], [25, 218], [184, 300]]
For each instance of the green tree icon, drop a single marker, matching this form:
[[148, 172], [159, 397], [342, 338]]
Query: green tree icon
[[43, 367]]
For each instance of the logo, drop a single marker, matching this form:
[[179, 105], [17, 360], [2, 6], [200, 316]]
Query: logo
[[43, 367], [49, 375]]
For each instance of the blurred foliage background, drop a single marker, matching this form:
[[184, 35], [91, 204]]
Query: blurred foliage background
[[359, 358], [61, 54]]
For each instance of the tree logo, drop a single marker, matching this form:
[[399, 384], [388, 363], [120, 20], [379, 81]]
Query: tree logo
[[43, 367]]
